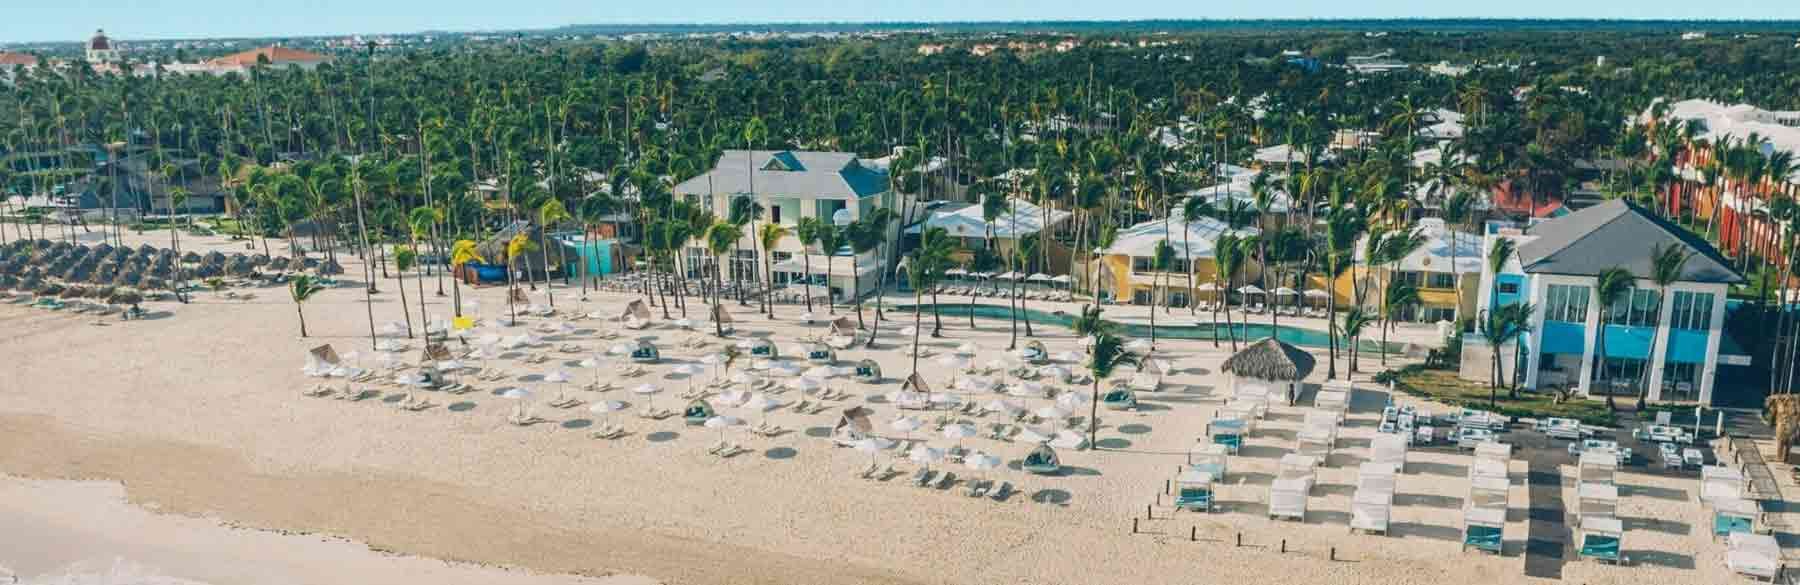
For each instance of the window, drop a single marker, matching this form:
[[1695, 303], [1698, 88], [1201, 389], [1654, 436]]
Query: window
[[1409, 277], [1567, 302], [1140, 297], [1636, 308], [1142, 263], [1441, 280], [775, 213], [1435, 314], [1178, 300], [1509, 288], [1692, 310]]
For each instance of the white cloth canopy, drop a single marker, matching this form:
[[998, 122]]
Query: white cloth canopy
[[1251, 289]]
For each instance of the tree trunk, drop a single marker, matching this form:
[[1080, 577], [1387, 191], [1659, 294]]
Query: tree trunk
[[302, 314]]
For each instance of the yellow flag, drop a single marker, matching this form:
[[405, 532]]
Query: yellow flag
[[463, 323]]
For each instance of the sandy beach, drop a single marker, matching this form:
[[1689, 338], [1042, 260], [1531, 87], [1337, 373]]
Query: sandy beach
[[189, 428]]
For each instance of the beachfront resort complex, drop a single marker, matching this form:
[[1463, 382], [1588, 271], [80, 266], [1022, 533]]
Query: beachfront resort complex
[[1070, 302]]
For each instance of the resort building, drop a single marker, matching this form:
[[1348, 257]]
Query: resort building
[[101, 50], [1020, 219], [1678, 339], [276, 57], [1445, 270], [1742, 218], [835, 187], [1127, 270]]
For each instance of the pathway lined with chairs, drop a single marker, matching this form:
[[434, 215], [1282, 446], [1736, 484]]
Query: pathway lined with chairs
[[1547, 533]]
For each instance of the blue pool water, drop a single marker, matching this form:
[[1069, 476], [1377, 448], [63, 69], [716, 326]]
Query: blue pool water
[[1253, 331]]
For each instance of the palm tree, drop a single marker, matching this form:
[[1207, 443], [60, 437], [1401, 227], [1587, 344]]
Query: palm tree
[[1108, 353], [301, 289], [1355, 320], [1666, 264], [770, 235], [461, 254], [830, 239], [878, 222], [1194, 207], [1228, 253], [516, 248], [420, 223], [807, 231], [1395, 247], [1164, 262], [1395, 298], [923, 268], [550, 212], [1498, 255], [863, 238], [1505, 325], [1611, 284], [1457, 210], [404, 259], [720, 239], [754, 132], [178, 197]]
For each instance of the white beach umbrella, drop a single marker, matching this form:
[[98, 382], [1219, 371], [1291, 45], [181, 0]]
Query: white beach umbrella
[[761, 402], [1006, 406], [1313, 293], [808, 317], [1033, 435], [1040, 277], [684, 323], [645, 389], [688, 371], [1072, 401], [394, 329], [785, 370], [620, 349], [967, 349], [592, 364], [926, 456], [605, 408], [560, 379], [523, 397], [489, 339], [908, 331], [723, 422], [1028, 390], [952, 362], [733, 397], [1071, 356], [743, 378], [820, 372], [958, 432], [1285, 291], [1054, 372], [906, 424], [805, 384], [1138, 345], [873, 446], [715, 360], [1251, 289], [979, 461], [1051, 412], [944, 399]]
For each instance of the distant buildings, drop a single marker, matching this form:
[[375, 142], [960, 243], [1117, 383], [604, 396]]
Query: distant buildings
[[100, 49], [1693, 36], [1383, 62]]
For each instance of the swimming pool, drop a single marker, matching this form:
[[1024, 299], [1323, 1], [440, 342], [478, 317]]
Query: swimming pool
[[1253, 331]]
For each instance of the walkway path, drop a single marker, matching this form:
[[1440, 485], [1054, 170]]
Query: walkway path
[[1548, 531]]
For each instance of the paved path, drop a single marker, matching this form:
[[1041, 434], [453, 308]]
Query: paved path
[[1547, 532]]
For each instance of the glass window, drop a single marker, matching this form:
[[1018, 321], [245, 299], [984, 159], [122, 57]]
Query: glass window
[[775, 213], [1567, 303], [1409, 277], [1142, 263], [1509, 288], [1692, 310], [1636, 308], [1442, 280], [1140, 297]]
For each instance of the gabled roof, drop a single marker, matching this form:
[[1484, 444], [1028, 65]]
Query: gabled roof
[[789, 173], [1022, 218], [1194, 239], [1621, 234], [276, 54]]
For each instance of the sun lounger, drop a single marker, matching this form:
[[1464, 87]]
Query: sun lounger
[[923, 477], [946, 481], [1000, 494], [868, 472], [978, 488]]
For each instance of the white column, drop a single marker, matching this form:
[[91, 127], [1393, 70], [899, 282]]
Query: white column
[[1537, 294], [1657, 359], [1591, 335], [1714, 332]]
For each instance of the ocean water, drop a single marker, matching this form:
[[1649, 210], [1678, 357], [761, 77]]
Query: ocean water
[[113, 572]]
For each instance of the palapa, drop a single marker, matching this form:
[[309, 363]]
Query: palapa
[[1270, 359]]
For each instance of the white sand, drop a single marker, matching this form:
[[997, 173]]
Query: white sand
[[200, 413]]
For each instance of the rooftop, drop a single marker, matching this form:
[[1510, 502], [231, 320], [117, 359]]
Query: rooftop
[[835, 175], [275, 54], [1618, 233]]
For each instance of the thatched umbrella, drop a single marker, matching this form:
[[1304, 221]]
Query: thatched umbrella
[[10, 266], [102, 249], [60, 246], [126, 296], [49, 289], [74, 292], [30, 283], [331, 267], [154, 283], [1271, 360], [240, 265], [78, 252], [146, 250], [129, 276], [208, 271]]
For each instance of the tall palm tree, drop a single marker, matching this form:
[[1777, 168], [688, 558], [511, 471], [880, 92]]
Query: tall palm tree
[[831, 238], [516, 248], [1666, 264], [878, 222], [1195, 207], [769, 235], [301, 289], [1611, 284], [1164, 262], [1108, 353], [720, 239], [807, 231], [404, 259], [755, 131], [420, 223], [1505, 324], [461, 254], [1355, 320], [1394, 298], [1228, 253]]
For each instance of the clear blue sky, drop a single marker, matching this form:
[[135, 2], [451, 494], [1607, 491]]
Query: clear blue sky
[[71, 20]]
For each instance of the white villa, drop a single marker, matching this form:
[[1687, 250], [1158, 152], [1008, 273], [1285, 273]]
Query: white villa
[[1681, 341], [836, 187]]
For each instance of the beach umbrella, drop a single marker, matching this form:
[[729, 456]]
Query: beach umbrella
[[906, 424], [743, 378], [713, 359], [605, 408], [1251, 289], [820, 372], [620, 349], [1007, 406], [873, 446], [689, 370], [1054, 372], [808, 317], [1071, 401], [559, 378], [733, 397], [805, 384], [1034, 435], [967, 349], [592, 364], [762, 404], [522, 409], [908, 331], [979, 461], [393, 329], [1028, 390], [1138, 345], [926, 456], [723, 422], [1051, 412], [959, 431], [1001, 364], [1285, 291]]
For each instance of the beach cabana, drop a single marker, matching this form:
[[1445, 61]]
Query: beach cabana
[[854, 425], [763, 348], [645, 353], [636, 315], [321, 360], [1733, 515], [1597, 500], [1270, 362], [719, 314], [1601, 538], [914, 393], [1370, 510], [1753, 555], [1485, 467], [1489, 492], [844, 327], [1334, 398], [1494, 451], [697, 412], [1149, 375], [1318, 434], [1598, 466], [1718, 482], [1041, 460], [1287, 498], [820, 353], [1389, 449], [1194, 491], [867, 371], [1120, 397], [1209, 458], [1228, 432], [1034, 353], [1484, 528]]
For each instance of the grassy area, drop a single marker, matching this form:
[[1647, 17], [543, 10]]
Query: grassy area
[[1443, 386]]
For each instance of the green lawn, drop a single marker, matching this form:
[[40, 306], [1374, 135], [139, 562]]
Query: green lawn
[[1443, 386]]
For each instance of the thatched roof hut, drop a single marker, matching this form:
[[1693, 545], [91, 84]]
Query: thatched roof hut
[[1270, 359], [559, 253], [213, 258], [125, 296]]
